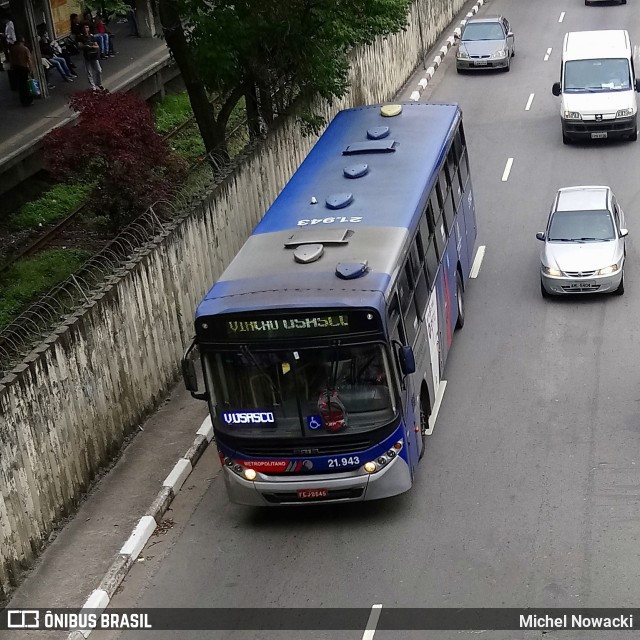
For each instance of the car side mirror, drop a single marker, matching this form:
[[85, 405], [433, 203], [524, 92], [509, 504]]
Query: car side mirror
[[638, 85], [510, 34], [540, 235], [624, 233], [407, 360], [555, 89]]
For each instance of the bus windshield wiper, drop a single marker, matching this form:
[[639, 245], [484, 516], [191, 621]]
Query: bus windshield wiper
[[276, 394]]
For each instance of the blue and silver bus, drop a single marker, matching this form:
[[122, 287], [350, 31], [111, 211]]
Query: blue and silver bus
[[323, 342]]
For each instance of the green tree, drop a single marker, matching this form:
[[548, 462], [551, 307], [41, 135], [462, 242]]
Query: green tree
[[271, 52]]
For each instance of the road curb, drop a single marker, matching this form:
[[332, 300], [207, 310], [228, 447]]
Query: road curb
[[437, 60], [99, 598]]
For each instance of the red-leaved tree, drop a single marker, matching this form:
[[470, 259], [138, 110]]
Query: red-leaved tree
[[114, 146]]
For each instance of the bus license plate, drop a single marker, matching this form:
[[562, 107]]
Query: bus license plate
[[310, 494], [599, 134]]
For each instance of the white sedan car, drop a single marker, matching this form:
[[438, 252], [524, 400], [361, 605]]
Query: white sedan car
[[584, 243]]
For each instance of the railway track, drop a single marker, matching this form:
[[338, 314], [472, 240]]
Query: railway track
[[49, 236]]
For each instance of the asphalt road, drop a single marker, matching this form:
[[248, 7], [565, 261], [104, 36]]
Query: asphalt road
[[528, 494]]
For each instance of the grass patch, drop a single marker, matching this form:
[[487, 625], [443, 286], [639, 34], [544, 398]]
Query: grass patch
[[188, 144], [32, 277], [52, 206], [172, 111]]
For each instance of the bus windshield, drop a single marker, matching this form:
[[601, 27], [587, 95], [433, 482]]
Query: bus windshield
[[302, 393]]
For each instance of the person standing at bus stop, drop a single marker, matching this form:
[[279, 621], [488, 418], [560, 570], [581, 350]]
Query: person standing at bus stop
[[21, 69], [91, 55]]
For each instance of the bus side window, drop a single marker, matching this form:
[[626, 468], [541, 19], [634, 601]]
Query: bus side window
[[452, 167], [463, 159], [439, 232], [420, 287], [396, 329], [431, 263], [407, 305], [449, 212]]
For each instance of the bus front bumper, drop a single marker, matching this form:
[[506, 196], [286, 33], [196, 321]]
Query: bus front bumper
[[280, 490]]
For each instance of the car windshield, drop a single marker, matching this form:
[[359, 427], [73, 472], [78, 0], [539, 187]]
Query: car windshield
[[309, 392], [581, 226], [482, 31], [608, 74]]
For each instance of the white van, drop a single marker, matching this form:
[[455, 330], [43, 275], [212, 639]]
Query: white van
[[597, 86]]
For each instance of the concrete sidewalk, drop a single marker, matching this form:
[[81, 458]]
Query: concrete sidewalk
[[22, 127], [76, 560]]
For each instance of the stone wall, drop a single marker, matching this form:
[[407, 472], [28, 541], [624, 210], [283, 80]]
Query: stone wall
[[65, 411]]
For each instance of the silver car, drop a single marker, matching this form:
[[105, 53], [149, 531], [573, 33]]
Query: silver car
[[486, 43], [584, 242]]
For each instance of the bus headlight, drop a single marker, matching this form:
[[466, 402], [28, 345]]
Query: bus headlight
[[383, 460], [250, 474]]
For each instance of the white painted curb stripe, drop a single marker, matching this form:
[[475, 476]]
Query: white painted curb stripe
[[415, 96], [477, 263], [206, 429], [97, 602], [423, 82], [178, 475], [372, 622], [436, 407], [142, 532]]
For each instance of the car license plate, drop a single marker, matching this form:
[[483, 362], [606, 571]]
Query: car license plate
[[599, 134], [581, 285], [480, 63], [310, 494]]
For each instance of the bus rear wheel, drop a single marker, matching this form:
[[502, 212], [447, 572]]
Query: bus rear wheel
[[460, 299]]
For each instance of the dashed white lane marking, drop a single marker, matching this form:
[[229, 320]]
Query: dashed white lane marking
[[529, 101], [477, 263], [507, 170], [561, 18], [372, 622], [436, 407], [546, 55]]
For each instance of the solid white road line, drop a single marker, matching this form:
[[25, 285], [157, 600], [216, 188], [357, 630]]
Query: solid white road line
[[436, 407], [546, 56], [477, 262], [372, 622], [507, 170], [561, 18], [529, 101]]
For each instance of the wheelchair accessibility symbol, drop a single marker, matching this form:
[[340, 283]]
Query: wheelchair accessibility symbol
[[314, 422]]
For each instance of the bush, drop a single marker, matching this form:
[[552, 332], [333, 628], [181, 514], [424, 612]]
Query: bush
[[30, 278], [57, 203], [115, 147]]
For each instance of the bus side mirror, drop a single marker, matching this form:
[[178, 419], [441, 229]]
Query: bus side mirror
[[555, 89], [190, 376], [407, 360]]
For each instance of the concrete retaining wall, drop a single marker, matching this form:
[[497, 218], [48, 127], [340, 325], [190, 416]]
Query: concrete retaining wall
[[65, 411]]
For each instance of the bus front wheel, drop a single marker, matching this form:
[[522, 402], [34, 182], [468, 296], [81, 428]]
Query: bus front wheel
[[460, 298]]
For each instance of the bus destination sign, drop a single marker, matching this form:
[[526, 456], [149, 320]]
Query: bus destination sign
[[287, 327]]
